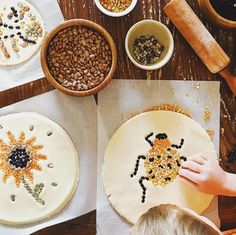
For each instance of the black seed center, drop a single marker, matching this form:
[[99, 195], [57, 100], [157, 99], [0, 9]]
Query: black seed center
[[19, 158]]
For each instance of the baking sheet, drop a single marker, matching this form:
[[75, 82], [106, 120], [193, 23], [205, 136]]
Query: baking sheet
[[31, 70], [124, 97], [78, 116]]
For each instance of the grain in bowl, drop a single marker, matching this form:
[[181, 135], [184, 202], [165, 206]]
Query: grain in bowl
[[115, 5], [79, 58]]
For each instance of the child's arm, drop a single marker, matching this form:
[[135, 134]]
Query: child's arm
[[208, 176]]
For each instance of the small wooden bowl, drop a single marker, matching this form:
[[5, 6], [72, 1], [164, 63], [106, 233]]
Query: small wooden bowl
[[88, 24], [211, 14]]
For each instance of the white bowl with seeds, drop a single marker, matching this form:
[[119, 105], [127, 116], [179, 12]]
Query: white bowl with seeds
[[149, 44], [116, 8]]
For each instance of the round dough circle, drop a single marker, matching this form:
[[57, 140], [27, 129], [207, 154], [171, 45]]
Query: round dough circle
[[128, 142], [24, 53], [59, 172]]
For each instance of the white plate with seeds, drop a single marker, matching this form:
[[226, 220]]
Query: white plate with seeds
[[39, 168], [21, 31]]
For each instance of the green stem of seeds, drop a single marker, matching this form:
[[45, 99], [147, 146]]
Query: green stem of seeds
[[34, 192]]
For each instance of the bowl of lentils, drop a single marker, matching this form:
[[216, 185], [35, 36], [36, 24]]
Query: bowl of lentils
[[79, 57], [116, 8], [149, 44]]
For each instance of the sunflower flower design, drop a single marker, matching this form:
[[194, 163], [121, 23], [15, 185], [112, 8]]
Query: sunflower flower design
[[19, 158]]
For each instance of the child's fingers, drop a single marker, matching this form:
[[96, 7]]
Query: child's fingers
[[198, 158], [187, 181], [191, 165], [230, 232], [190, 175]]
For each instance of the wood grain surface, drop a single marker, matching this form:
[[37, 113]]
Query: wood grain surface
[[184, 65]]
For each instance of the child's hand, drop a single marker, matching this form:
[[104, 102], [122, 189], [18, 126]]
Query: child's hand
[[230, 232], [205, 174]]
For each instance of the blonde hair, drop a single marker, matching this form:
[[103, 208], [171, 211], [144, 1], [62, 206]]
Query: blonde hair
[[170, 220]]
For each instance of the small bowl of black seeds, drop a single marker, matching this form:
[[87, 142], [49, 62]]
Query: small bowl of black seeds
[[149, 44]]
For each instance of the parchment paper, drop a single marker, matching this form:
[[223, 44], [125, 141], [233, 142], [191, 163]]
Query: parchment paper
[[78, 116], [31, 70], [123, 97]]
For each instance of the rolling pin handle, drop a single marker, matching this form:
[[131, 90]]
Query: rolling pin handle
[[230, 79]]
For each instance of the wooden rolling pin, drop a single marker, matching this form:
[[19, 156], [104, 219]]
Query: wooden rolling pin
[[193, 30]]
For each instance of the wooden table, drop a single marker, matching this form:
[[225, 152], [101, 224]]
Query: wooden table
[[184, 65]]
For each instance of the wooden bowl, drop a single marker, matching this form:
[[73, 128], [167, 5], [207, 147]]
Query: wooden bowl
[[212, 14], [88, 24]]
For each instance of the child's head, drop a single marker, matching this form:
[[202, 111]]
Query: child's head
[[171, 220]]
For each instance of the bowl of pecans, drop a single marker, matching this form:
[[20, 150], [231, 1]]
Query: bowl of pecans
[[149, 44], [79, 57], [116, 8]]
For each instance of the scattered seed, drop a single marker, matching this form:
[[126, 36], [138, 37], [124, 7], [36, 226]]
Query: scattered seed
[[13, 198]]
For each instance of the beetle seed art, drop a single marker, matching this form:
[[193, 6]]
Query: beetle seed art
[[162, 162]]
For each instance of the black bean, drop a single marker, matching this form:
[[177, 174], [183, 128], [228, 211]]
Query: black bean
[[167, 179], [169, 165], [183, 158], [178, 164]]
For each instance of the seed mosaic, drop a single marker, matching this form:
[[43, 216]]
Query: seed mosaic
[[21, 30], [162, 162], [19, 158]]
